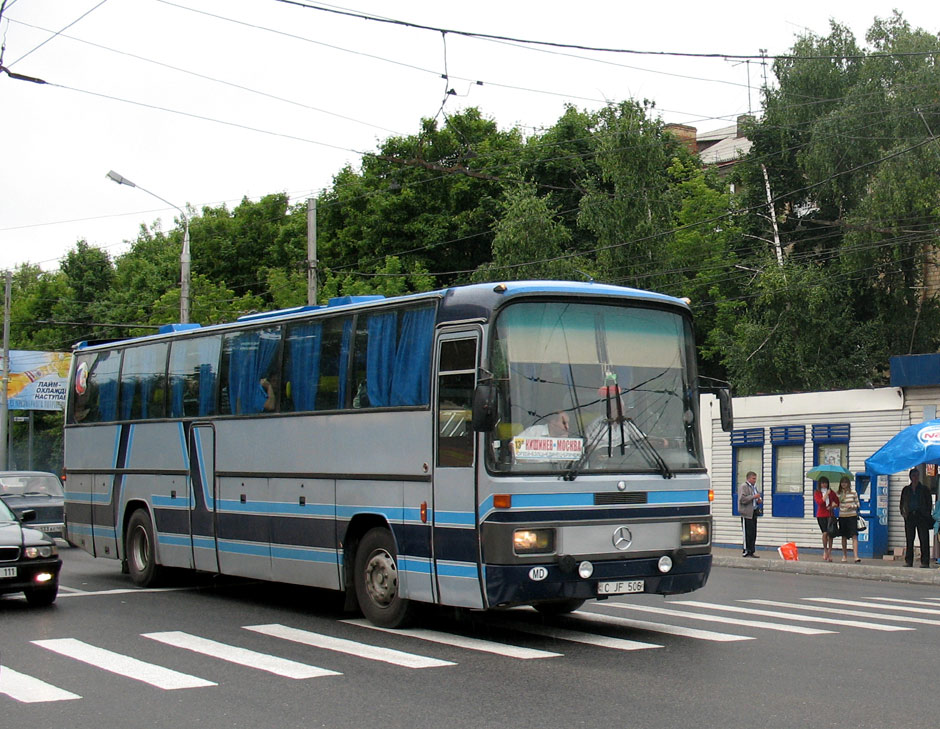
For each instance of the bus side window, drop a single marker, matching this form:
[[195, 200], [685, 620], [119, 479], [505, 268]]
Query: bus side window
[[456, 380]]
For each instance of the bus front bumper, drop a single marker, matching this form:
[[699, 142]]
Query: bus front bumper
[[508, 585]]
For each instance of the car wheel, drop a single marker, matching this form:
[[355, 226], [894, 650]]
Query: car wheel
[[377, 581], [42, 596], [559, 607], [139, 550]]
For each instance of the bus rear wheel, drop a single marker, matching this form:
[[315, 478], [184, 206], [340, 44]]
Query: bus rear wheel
[[139, 550], [377, 583]]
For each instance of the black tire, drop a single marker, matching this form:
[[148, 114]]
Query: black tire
[[559, 607], [42, 596], [139, 550], [376, 580]]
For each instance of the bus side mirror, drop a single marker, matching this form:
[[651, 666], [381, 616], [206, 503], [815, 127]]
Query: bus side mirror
[[725, 409], [483, 418]]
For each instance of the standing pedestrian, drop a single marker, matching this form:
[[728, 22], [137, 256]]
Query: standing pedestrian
[[749, 505], [848, 516], [915, 509], [826, 503]]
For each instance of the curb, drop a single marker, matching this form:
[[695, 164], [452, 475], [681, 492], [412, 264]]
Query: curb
[[912, 575]]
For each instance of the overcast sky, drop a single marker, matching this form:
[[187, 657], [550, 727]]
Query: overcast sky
[[204, 102]]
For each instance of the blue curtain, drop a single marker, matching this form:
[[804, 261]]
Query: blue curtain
[[304, 369], [345, 347], [411, 369], [107, 399], [379, 357], [177, 387], [206, 390], [128, 388], [250, 360]]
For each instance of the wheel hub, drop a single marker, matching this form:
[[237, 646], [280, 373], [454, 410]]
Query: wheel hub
[[381, 577]]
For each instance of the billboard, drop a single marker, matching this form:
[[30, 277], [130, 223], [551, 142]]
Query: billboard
[[37, 380]]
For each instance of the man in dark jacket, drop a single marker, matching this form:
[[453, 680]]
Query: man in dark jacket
[[916, 510]]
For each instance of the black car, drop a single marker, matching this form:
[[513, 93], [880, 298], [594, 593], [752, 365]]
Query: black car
[[29, 559], [37, 490]]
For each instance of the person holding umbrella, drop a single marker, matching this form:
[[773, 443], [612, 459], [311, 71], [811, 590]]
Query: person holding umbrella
[[826, 503], [915, 509]]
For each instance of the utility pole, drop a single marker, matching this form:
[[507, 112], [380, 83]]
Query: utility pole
[[5, 381], [311, 251]]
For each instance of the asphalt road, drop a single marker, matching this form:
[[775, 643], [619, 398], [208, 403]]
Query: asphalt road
[[820, 651]]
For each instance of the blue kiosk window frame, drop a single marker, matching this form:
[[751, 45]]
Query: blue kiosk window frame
[[786, 504], [828, 434], [745, 438]]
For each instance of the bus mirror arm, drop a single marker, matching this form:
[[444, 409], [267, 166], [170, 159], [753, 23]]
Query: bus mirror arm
[[483, 417], [722, 390]]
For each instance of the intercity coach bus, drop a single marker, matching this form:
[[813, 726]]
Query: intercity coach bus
[[521, 443]]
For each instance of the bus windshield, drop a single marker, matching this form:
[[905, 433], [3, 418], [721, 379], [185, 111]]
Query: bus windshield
[[594, 388]]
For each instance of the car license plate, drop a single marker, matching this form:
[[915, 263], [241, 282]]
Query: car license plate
[[7, 571], [619, 587], [48, 527]]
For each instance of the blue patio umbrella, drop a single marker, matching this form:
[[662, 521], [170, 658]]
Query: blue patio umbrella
[[914, 445]]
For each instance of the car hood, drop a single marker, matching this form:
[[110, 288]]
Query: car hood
[[13, 533]]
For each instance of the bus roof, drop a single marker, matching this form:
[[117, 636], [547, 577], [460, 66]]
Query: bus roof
[[458, 303]]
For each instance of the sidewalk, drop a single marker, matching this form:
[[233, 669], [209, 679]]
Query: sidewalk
[[810, 563]]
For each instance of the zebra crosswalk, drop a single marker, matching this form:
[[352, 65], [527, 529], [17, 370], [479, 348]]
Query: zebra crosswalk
[[519, 634]]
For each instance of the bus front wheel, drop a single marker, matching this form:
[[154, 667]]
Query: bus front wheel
[[139, 550], [377, 583]]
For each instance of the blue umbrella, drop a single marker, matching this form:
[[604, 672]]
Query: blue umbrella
[[833, 473], [914, 445]]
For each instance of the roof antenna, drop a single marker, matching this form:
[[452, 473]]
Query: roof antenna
[[589, 277]]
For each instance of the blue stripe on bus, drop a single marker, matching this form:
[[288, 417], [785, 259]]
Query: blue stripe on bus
[[454, 569], [304, 553], [183, 449], [454, 518], [81, 497], [413, 564], [556, 501], [174, 540]]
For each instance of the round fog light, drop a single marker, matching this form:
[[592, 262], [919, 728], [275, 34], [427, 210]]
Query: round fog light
[[665, 563], [585, 569]]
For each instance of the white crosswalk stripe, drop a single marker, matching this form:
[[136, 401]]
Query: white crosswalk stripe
[[922, 603], [878, 605], [460, 641], [29, 690], [578, 636], [661, 627], [241, 656], [741, 622], [164, 678], [341, 645], [846, 611], [792, 616]]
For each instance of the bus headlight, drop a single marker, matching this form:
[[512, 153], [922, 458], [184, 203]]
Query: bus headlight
[[664, 564], [533, 541], [694, 532]]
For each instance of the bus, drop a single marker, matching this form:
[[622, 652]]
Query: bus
[[485, 446]]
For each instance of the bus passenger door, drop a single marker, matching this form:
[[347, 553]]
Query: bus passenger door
[[454, 535], [202, 497]]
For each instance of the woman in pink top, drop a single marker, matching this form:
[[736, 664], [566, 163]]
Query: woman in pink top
[[826, 503]]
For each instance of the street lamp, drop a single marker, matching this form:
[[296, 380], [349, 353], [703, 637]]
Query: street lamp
[[184, 256]]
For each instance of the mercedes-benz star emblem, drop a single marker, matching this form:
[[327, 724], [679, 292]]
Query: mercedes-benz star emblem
[[622, 538]]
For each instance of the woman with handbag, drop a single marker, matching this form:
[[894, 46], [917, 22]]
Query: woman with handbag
[[826, 503], [848, 516]]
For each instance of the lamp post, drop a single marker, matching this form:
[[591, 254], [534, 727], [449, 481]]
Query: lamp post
[[184, 256]]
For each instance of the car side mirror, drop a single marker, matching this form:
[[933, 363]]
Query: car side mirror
[[28, 515], [483, 417]]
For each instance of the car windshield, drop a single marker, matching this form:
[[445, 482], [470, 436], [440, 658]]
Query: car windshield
[[5, 513], [21, 484], [588, 387]]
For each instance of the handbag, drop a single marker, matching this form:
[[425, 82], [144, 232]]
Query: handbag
[[860, 524], [832, 527]]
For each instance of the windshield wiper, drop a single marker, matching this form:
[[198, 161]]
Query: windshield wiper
[[643, 445], [572, 473]]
